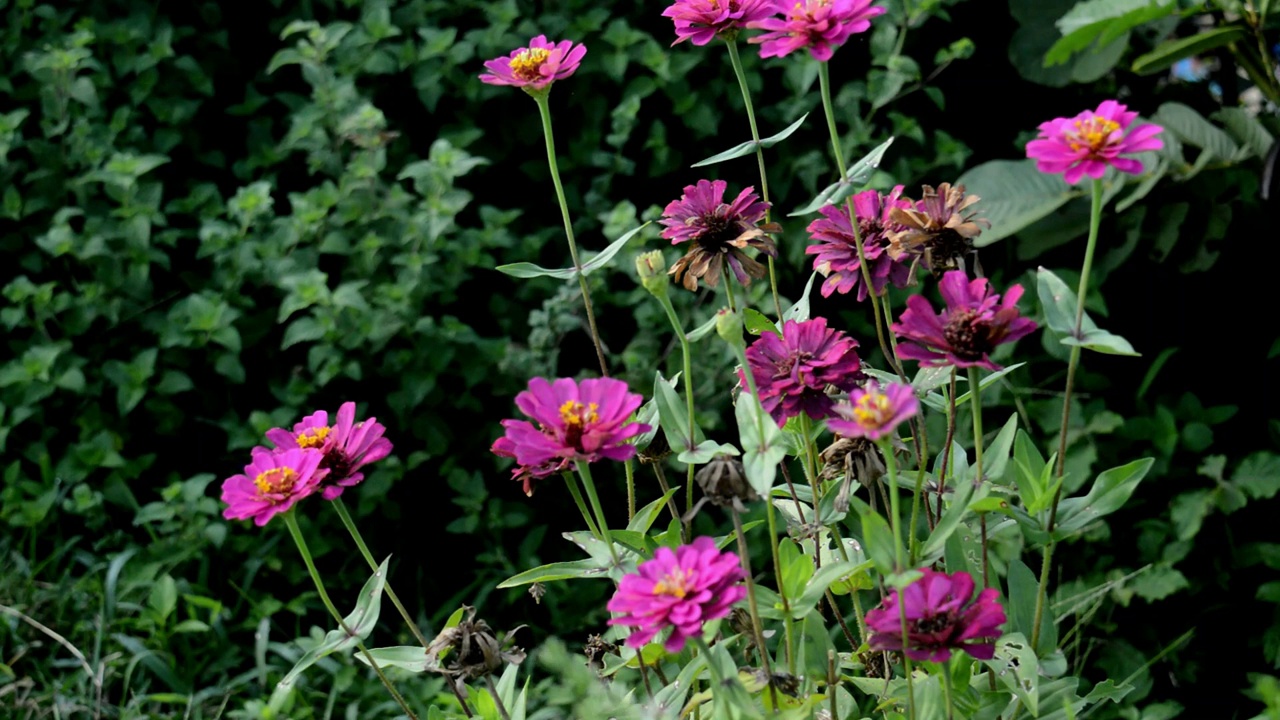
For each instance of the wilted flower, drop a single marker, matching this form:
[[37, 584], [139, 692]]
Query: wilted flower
[[940, 227], [724, 484], [596, 648], [347, 445], [272, 483], [681, 590], [718, 231], [474, 650], [942, 615], [1087, 143], [792, 372], [527, 474], [974, 323], [849, 459], [701, 21], [873, 412], [534, 68], [820, 25], [837, 253], [586, 421]]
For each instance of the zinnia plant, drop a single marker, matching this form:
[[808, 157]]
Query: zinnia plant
[[874, 413], [575, 421], [701, 21], [819, 25], [347, 445], [837, 252], [717, 232], [942, 616], [535, 67], [679, 589], [1092, 141], [792, 371], [272, 483], [975, 322]]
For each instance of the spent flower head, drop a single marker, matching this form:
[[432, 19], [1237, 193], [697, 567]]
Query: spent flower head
[[575, 421], [819, 25], [942, 615], [792, 371], [873, 412], [1091, 141], [939, 227], [272, 483], [974, 323], [347, 445], [679, 589], [717, 233], [535, 67], [701, 21], [837, 252]]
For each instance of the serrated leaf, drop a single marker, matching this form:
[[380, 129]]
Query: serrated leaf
[[1258, 476], [527, 270], [749, 147], [859, 173]]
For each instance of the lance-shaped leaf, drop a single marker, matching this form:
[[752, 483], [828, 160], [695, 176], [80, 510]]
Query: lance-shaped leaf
[[748, 147], [413, 658], [1109, 493], [859, 173], [647, 515], [673, 415], [823, 579], [570, 570], [800, 311], [1059, 303], [702, 330], [529, 270], [1166, 54], [762, 444], [705, 451]]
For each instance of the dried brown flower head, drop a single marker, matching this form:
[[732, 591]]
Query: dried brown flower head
[[851, 459], [940, 228], [470, 650], [724, 484]]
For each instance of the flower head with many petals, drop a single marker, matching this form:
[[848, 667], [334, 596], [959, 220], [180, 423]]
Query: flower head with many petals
[[347, 445], [534, 68], [701, 21], [528, 474], [680, 589], [820, 25], [717, 231], [575, 421], [792, 371], [942, 615], [272, 483], [973, 324], [939, 227], [837, 252], [1091, 141], [873, 412]]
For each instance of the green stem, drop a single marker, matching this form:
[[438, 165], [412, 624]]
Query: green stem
[[728, 287], [544, 109], [1095, 222], [755, 138], [582, 505], [756, 627], [975, 404], [686, 353], [891, 463], [341, 508], [584, 470], [631, 490], [947, 689], [291, 522], [716, 678]]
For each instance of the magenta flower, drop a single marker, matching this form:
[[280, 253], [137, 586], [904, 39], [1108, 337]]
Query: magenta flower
[[701, 21], [272, 483], [346, 446], [534, 68], [820, 25], [838, 254], [942, 615], [586, 421], [792, 372], [681, 590], [527, 474], [873, 413], [975, 322], [1087, 143], [717, 231]]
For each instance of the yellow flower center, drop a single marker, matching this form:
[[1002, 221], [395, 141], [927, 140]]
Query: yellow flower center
[[676, 584], [1091, 133], [526, 65], [276, 480], [313, 437], [872, 410], [575, 414]]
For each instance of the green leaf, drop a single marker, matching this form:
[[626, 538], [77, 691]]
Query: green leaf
[[1016, 668], [763, 445], [529, 270], [413, 658], [164, 596], [1166, 54], [570, 570], [1258, 476], [800, 311], [702, 330], [1110, 491], [877, 537], [756, 322], [1193, 129], [1059, 304], [859, 173], [749, 146], [647, 515], [1023, 588], [1014, 195], [1102, 21], [706, 450], [1108, 690], [823, 579], [673, 415], [965, 494], [304, 329], [1246, 129]]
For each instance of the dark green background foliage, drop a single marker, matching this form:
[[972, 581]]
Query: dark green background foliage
[[210, 230]]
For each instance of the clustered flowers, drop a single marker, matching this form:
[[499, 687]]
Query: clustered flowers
[[837, 250], [717, 232]]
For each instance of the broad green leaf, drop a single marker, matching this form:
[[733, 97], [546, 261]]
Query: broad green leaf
[[965, 494], [997, 453], [674, 415], [1014, 195], [1059, 304], [1193, 129], [749, 146], [823, 579], [1101, 22], [858, 175], [1016, 668], [647, 515], [1166, 54], [1023, 588], [529, 270], [706, 450], [1108, 690], [763, 445], [1110, 491], [413, 658], [877, 537], [570, 570], [164, 596], [1258, 476], [756, 322], [1246, 130]]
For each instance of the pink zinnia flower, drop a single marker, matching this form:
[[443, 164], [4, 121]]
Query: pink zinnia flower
[[717, 232], [792, 372], [272, 483], [942, 615], [701, 21], [586, 421], [820, 25], [873, 413], [534, 68], [680, 590], [973, 324], [838, 254], [346, 445], [1087, 143], [527, 474]]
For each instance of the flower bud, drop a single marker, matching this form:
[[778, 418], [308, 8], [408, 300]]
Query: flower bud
[[652, 268], [729, 327]]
